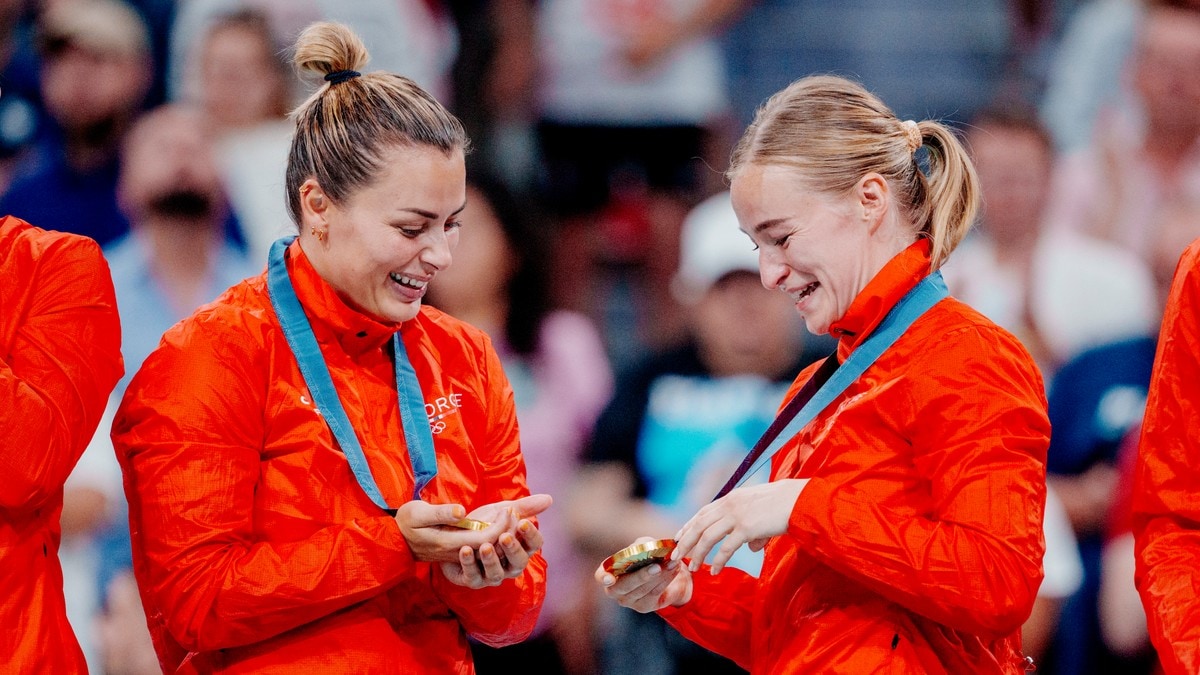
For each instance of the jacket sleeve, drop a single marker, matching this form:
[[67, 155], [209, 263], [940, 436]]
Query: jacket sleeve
[[55, 381], [189, 436], [971, 558], [1166, 490], [720, 613], [505, 614]]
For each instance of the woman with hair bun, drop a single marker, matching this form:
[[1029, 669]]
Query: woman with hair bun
[[323, 474], [903, 520]]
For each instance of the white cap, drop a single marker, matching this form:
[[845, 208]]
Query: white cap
[[711, 246]]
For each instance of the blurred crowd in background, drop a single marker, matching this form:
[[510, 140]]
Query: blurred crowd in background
[[600, 252]]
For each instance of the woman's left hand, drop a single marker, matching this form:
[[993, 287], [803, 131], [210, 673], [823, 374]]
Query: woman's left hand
[[512, 551], [747, 515]]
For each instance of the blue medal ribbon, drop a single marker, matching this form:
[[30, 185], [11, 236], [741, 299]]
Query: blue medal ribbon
[[832, 382], [299, 334]]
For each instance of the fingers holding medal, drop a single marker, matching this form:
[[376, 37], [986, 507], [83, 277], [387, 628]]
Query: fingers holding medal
[[643, 578]]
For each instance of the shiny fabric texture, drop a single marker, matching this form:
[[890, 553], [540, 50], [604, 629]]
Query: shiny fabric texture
[[1166, 487], [60, 357], [255, 549], [916, 546]]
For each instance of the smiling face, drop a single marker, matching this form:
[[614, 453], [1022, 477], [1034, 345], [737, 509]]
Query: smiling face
[[384, 243], [818, 249]]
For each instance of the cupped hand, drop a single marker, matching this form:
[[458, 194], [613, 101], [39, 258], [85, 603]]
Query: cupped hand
[[651, 588], [511, 541], [747, 515]]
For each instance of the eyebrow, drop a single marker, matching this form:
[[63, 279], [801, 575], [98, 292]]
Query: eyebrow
[[767, 224], [431, 215]]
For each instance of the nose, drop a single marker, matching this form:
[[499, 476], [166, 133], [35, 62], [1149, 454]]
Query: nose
[[436, 252], [772, 270]]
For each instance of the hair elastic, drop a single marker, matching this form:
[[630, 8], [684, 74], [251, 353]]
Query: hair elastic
[[912, 135], [340, 76]]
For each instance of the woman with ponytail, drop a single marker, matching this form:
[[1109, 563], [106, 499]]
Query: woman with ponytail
[[323, 474], [903, 520]]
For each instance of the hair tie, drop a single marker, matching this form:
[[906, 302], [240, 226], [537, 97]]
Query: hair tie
[[340, 76], [912, 135]]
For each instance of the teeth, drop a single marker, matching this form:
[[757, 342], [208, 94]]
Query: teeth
[[407, 281], [806, 291]]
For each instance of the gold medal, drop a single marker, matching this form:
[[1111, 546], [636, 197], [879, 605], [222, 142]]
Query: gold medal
[[638, 556], [471, 524]]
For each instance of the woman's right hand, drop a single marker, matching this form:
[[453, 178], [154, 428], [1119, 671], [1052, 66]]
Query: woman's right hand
[[650, 588], [431, 537]]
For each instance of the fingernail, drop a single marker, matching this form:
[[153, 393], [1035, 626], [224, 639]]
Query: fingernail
[[694, 566], [524, 526], [655, 570], [609, 580], [675, 555], [673, 564]]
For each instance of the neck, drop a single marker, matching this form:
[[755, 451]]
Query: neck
[[93, 146], [1015, 251], [181, 256]]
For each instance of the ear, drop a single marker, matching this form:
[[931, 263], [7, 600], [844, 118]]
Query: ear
[[314, 203], [874, 197]]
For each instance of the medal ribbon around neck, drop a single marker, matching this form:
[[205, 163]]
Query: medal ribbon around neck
[[299, 334]]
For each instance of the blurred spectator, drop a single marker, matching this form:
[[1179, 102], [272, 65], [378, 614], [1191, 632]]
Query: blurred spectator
[[560, 376], [95, 74], [125, 646], [1063, 569], [628, 91], [1122, 616], [1144, 155], [1059, 292], [1085, 71], [21, 114], [631, 102], [245, 94], [415, 38], [175, 258], [681, 421], [887, 45]]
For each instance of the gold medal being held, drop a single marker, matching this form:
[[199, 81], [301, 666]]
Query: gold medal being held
[[471, 524], [638, 556]]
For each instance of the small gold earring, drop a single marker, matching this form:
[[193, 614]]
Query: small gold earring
[[319, 234]]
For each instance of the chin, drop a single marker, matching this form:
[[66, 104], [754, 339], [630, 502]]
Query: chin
[[816, 328], [400, 313]]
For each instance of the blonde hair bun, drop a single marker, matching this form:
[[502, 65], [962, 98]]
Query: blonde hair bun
[[326, 47]]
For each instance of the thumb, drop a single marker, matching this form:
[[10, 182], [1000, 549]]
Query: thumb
[[424, 514], [532, 505]]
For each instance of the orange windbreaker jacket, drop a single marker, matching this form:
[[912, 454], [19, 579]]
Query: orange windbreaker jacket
[[254, 547], [1166, 490], [60, 357], [916, 546]]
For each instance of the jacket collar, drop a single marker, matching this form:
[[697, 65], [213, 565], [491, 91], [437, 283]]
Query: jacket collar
[[329, 314], [897, 277]]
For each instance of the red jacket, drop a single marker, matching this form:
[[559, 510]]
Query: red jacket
[[916, 546], [254, 547], [1166, 491], [60, 356]]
